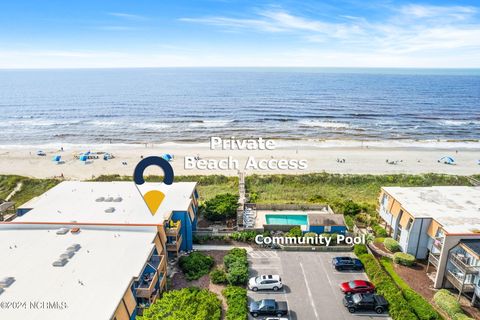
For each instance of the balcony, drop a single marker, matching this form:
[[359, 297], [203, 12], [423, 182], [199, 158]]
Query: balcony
[[175, 245], [158, 262], [461, 263], [146, 286], [433, 259], [438, 243], [457, 280], [477, 290], [174, 230]]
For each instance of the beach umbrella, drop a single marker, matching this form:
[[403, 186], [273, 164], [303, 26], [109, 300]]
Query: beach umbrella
[[447, 160], [84, 158], [57, 158], [167, 157]]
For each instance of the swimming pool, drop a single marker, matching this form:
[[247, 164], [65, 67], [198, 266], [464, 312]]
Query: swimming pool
[[286, 219]]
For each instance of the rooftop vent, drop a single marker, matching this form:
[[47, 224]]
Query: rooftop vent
[[110, 210], [6, 282], [118, 199], [67, 254], [74, 247], [62, 231], [60, 262], [100, 199], [109, 199]]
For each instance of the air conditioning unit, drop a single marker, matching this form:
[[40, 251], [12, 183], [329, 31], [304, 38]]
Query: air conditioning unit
[[60, 262], [62, 231], [6, 282]]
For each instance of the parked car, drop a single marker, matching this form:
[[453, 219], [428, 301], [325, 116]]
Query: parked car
[[265, 282], [346, 263], [365, 301], [357, 286], [268, 307]]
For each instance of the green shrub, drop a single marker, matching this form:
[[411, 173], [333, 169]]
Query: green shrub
[[236, 265], [349, 222], [310, 235], [399, 308], [391, 245], [351, 208], [422, 308], [236, 302], [461, 316], [237, 273], [380, 231], [360, 249], [189, 303], [221, 207], [195, 265], [404, 259], [295, 232], [247, 235], [447, 302], [218, 276]]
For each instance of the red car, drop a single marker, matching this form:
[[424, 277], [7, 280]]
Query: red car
[[357, 286]]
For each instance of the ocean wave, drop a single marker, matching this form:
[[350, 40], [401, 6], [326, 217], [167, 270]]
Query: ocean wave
[[210, 123], [457, 123], [324, 124]]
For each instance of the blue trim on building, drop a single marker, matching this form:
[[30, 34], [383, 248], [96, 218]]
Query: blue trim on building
[[333, 229]]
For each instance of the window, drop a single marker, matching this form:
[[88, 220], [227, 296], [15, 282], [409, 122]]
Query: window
[[328, 228], [409, 224]]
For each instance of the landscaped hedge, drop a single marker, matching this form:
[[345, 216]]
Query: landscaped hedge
[[218, 276], [380, 231], [195, 265], [391, 245], [420, 306], [236, 265], [360, 249], [236, 302], [404, 259], [399, 308], [189, 303], [448, 303]]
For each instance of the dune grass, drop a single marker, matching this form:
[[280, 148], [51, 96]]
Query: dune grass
[[30, 187]]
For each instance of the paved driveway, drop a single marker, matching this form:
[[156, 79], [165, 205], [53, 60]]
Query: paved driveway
[[311, 285]]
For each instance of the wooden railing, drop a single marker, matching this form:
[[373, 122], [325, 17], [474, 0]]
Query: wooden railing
[[175, 246], [458, 283], [433, 259], [173, 231], [466, 268], [145, 289]]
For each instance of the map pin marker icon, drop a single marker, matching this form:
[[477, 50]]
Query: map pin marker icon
[[153, 198]]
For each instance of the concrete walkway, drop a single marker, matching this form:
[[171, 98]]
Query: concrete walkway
[[206, 247]]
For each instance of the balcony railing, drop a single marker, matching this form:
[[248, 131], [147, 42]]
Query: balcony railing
[[174, 246], [173, 231], [434, 259], [146, 286], [457, 282], [460, 262], [477, 290]]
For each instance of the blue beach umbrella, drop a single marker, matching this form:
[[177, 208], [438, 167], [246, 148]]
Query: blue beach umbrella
[[57, 158], [447, 160], [84, 158], [167, 157]]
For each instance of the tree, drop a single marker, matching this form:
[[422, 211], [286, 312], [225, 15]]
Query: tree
[[221, 207]]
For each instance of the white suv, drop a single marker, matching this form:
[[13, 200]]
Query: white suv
[[265, 282]]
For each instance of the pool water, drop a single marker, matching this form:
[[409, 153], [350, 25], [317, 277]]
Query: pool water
[[289, 219]]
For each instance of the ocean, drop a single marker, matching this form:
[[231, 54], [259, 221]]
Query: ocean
[[193, 104]]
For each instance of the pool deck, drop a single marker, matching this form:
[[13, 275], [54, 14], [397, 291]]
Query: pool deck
[[261, 220]]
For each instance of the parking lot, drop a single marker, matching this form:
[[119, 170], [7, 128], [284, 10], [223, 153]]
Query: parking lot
[[311, 284]]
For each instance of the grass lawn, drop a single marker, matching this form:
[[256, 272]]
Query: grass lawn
[[30, 187], [334, 189]]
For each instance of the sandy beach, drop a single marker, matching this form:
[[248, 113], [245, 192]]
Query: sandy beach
[[359, 158]]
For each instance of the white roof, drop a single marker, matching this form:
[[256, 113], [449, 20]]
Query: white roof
[[77, 201], [456, 208], [92, 282]]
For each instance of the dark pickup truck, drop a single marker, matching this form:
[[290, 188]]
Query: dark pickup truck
[[268, 307], [365, 301]]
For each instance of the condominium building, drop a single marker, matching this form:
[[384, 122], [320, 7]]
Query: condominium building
[[441, 224], [93, 250]]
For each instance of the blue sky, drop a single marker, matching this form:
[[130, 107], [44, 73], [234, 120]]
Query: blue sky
[[352, 33]]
